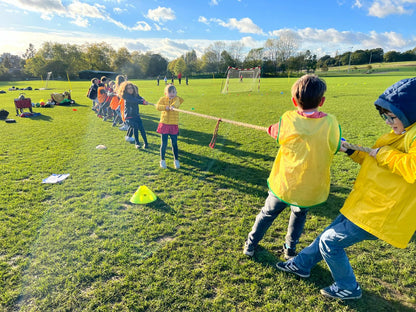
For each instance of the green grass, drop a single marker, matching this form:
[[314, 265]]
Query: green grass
[[82, 246]]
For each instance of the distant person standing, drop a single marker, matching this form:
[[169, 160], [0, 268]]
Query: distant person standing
[[165, 80], [180, 77], [158, 78], [186, 80]]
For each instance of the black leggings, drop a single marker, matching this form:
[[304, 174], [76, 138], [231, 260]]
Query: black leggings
[[174, 140], [136, 124]]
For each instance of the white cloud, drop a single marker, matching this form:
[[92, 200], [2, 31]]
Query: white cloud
[[119, 10], [77, 11], [203, 19], [161, 14], [136, 46], [81, 22], [383, 8], [249, 42], [394, 40], [357, 4], [213, 2], [46, 7], [142, 26], [244, 25]]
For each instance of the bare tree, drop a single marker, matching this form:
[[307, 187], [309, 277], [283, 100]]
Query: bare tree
[[216, 49], [286, 45], [236, 49]]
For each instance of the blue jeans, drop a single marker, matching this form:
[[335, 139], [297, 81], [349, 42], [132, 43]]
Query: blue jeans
[[272, 208], [341, 233]]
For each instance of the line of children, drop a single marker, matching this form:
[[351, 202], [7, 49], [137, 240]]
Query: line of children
[[122, 102]]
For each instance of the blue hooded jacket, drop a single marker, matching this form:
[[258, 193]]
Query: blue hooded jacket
[[400, 99]]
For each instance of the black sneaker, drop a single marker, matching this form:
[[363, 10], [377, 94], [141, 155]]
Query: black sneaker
[[290, 267], [337, 293], [288, 253]]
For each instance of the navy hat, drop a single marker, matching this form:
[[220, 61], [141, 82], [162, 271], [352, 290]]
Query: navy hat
[[400, 99]]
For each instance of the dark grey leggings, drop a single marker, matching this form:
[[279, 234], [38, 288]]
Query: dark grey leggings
[[174, 140]]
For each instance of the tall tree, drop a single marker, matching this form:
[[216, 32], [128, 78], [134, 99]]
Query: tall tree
[[191, 61], [286, 45], [157, 65], [180, 66], [30, 52], [254, 58], [121, 60], [98, 56]]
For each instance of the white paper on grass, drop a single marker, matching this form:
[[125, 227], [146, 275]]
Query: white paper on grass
[[55, 178]]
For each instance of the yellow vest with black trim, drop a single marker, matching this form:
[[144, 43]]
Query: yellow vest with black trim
[[301, 171], [383, 199]]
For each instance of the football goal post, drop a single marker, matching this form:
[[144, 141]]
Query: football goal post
[[242, 79], [47, 80]]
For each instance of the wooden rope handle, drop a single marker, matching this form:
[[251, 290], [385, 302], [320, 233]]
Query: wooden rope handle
[[356, 147]]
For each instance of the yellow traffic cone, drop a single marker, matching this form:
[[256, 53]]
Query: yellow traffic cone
[[143, 195]]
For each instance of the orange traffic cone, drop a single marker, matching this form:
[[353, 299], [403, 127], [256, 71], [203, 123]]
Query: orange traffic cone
[[143, 195]]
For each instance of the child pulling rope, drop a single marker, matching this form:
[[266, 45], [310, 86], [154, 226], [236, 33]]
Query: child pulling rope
[[242, 124]]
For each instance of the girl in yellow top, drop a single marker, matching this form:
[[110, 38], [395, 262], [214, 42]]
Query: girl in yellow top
[[382, 203], [168, 125], [300, 177]]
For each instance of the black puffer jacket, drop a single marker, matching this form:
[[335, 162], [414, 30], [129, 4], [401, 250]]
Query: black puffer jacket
[[131, 105]]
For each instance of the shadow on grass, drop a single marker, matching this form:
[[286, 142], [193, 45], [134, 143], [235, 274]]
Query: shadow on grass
[[161, 206], [321, 277], [229, 175], [41, 118]]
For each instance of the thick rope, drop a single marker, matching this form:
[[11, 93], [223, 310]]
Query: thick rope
[[237, 123], [356, 147]]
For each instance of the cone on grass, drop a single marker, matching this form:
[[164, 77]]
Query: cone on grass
[[143, 195]]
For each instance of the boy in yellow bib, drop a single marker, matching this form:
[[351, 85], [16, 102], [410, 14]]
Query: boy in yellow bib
[[300, 177], [382, 203]]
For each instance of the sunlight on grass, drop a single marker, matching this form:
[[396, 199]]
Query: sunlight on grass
[[82, 246]]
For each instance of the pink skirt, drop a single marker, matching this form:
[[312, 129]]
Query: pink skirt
[[167, 129]]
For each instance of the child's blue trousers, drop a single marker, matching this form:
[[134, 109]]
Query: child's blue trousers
[[329, 246]]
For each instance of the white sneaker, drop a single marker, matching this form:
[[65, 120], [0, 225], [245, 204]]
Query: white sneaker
[[163, 164], [129, 139], [176, 164], [124, 127]]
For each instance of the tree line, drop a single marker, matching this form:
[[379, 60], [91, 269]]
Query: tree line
[[277, 58]]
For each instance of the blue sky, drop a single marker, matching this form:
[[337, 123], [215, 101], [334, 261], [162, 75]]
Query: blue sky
[[174, 27]]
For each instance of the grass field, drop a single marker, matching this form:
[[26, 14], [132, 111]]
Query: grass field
[[82, 246]]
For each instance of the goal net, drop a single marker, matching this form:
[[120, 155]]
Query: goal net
[[242, 79]]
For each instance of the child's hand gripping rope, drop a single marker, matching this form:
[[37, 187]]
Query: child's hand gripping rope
[[356, 147]]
